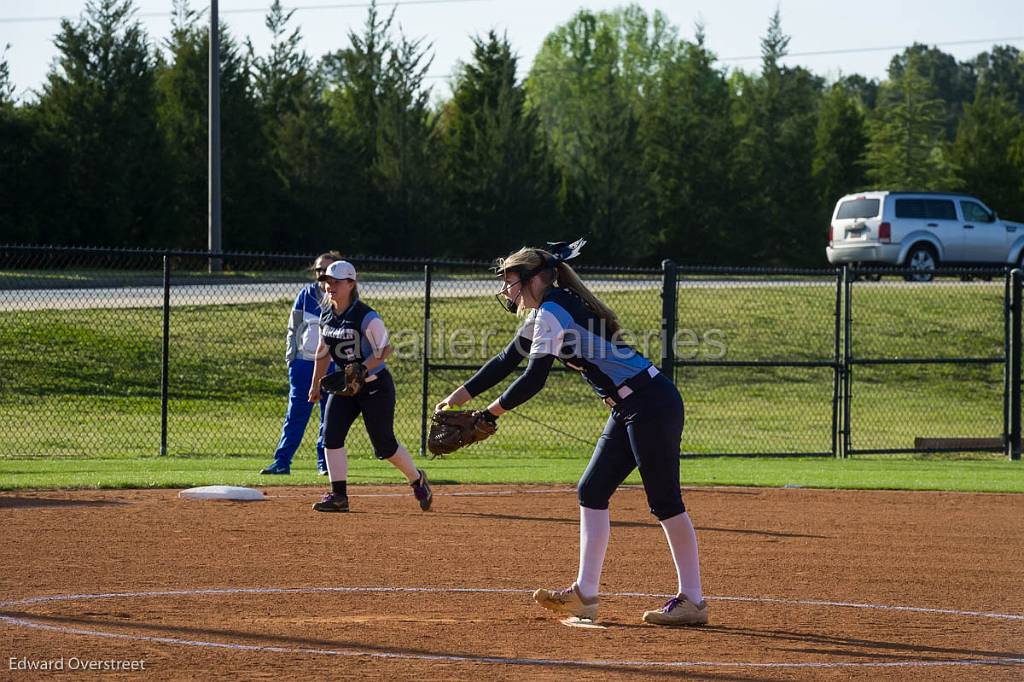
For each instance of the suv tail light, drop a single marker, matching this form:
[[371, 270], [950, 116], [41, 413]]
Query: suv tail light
[[829, 234], [885, 232]]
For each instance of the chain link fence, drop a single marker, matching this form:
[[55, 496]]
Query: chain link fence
[[121, 353], [926, 362], [757, 360]]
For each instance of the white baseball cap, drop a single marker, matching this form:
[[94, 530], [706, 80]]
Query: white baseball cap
[[339, 269]]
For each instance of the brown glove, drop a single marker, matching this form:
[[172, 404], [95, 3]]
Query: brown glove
[[454, 429], [346, 382]]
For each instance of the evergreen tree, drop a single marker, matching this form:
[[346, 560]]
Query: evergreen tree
[[981, 153], [905, 136], [6, 85], [1000, 73], [354, 93], [864, 91], [839, 143], [183, 114], [380, 109], [778, 114], [688, 140], [406, 167], [301, 146], [97, 107], [24, 192], [500, 184], [950, 82]]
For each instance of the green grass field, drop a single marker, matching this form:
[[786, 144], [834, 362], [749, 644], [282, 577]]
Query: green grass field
[[80, 389], [920, 473]]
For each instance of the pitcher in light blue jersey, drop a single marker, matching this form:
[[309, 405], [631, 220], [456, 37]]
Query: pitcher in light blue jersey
[[565, 321]]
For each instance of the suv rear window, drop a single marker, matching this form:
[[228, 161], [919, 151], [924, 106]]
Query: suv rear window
[[858, 208], [935, 209]]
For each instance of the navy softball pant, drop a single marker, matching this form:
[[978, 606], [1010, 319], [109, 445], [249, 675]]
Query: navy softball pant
[[376, 402], [644, 431]]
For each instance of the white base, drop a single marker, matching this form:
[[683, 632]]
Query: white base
[[221, 492], [574, 622]]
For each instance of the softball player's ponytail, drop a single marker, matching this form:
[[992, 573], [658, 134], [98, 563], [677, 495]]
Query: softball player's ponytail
[[566, 277], [530, 262]]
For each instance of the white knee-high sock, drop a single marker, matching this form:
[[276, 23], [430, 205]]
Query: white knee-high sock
[[337, 464], [402, 461], [682, 540], [595, 527]]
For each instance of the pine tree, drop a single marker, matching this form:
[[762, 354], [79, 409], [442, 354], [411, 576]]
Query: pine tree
[[301, 146], [981, 153], [380, 107], [778, 113], [6, 85], [688, 141], [499, 181], [97, 107], [905, 148], [24, 191], [182, 109], [839, 144]]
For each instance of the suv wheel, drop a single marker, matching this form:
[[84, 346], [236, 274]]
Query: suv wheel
[[923, 261]]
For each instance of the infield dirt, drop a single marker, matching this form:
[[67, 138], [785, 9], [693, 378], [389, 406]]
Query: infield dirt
[[389, 592]]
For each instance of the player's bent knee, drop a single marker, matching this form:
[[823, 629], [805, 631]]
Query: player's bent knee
[[591, 498], [666, 510]]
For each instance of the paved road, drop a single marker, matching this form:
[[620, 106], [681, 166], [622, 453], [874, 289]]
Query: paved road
[[228, 294], [225, 294]]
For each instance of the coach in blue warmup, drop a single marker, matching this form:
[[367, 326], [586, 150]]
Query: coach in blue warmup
[[300, 354], [568, 323]]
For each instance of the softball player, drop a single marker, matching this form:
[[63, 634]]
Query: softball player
[[567, 322], [351, 331]]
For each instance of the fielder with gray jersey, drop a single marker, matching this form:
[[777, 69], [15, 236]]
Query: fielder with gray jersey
[[566, 322]]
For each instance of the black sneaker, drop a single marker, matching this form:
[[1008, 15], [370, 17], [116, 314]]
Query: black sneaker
[[421, 489], [277, 469], [332, 502]]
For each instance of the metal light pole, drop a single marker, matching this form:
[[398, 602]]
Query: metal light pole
[[214, 134]]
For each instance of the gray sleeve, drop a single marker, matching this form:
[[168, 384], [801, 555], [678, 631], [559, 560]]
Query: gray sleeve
[[291, 349]]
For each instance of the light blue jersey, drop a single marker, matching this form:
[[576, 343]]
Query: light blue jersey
[[565, 327]]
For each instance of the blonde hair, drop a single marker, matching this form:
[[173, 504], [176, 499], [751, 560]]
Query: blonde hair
[[527, 260]]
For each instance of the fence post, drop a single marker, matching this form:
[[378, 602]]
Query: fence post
[[165, 353], [847, 358], [837, 358], [1016, 288], [427, 336], [668, 319]]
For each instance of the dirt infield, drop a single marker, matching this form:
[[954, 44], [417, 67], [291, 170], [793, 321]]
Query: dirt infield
[[802, 584]]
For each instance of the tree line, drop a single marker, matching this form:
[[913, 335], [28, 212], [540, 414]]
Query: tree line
[[622, 132]]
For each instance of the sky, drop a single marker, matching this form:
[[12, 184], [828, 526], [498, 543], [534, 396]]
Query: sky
[[829, 38]]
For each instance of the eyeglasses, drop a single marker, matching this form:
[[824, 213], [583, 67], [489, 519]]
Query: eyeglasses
[[319, 269]]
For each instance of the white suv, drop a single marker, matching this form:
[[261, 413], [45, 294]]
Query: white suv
[[919, 230]]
